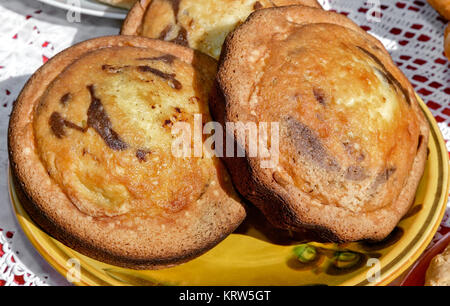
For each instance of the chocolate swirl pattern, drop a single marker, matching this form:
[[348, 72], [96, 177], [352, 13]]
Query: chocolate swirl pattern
[[97, 160]]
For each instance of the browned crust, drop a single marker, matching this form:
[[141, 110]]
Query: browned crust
[[120, 3], [287, 207], [149, 248], [133, 23]]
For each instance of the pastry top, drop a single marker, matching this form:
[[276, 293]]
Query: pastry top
[[438, 273], [95, 151], [199, 24], [350, 125], [103, 131], [120, 3]]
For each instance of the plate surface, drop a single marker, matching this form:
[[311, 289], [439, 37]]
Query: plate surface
[[90, 7], [256, 254]]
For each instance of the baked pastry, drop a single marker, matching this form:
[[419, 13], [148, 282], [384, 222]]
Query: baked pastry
[[120, 3], [352, 140], [199, 24], [90, 142], [438, 273], [442, 6]]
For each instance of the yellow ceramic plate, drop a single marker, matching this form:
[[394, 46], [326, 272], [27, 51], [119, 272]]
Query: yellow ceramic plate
[[259, 255]]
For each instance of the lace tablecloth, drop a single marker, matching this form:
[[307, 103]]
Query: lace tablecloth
[[32, 32]]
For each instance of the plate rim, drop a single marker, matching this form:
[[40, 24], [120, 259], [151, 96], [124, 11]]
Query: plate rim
[[89, 278], [88, 11]]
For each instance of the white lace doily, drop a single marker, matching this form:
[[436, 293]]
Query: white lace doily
[[31, 32]]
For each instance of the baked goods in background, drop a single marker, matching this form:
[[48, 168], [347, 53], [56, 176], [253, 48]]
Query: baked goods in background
[[90, 144], [199, 24], [120, 3], [438, 273], [442, 6], [353, 139]]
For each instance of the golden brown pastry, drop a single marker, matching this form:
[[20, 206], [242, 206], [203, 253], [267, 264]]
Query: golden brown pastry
[[199, 24], [120, 3], [352, 137], [90, 142], [438, 273], [442, 6]]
